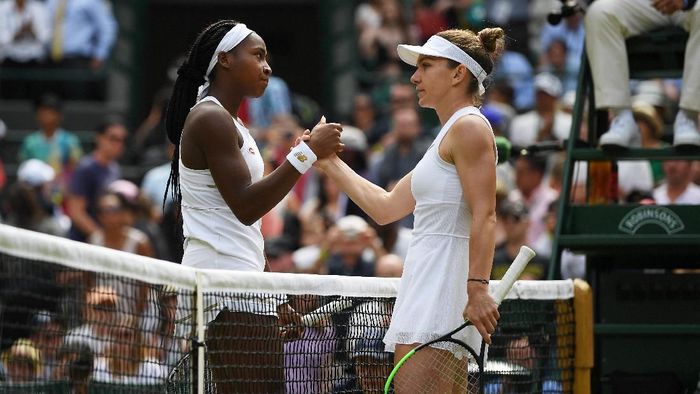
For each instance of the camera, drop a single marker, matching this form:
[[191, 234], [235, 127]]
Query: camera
[[568, 8]]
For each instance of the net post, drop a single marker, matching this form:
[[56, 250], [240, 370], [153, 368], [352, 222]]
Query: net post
[[583, 353], [199, 321]]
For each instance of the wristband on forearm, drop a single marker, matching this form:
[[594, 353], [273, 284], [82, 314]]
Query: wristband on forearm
[[301, 157]]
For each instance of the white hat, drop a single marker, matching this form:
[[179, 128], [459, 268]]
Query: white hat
[[351, 226], [650, 92], [35, 172], [549, 84], [353, 138], [304, 258], [440, 47], [126, 188], [568, 100]]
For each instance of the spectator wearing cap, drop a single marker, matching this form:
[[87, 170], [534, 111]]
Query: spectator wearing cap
[[651, 130], [355, 152], [320, 212], [52, 144], [29, 200], [653, 92], [22, 362], [351, 248], [546, 122], [47, 335], [143, 216], [516, 223], [92, 175]]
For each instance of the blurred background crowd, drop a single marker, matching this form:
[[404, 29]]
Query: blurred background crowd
[[105, 183]]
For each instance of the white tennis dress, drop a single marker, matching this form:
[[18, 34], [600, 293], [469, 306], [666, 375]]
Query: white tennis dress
[[433, 290], [216, 239]]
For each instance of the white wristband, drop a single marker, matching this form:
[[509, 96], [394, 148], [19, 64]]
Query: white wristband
[[301, 157]]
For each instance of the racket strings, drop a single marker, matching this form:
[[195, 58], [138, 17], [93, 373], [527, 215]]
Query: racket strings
[[434, 370]]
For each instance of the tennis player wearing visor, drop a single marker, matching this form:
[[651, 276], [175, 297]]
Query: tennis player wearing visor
[[451, 192]]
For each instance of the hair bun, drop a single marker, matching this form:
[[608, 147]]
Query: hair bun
[[493, 40]]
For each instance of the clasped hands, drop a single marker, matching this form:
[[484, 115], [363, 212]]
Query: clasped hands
[[323, 139]]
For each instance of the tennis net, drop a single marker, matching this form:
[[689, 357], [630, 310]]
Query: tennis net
[[80, 318]]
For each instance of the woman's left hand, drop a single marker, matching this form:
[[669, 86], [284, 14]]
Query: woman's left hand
[[481, 310]]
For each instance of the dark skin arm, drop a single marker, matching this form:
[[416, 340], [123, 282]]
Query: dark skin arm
[[210, 140]]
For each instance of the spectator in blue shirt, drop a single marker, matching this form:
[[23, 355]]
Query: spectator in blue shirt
[[83, 34], [91, 177], [517, 70], [277, 100], [570, 32]]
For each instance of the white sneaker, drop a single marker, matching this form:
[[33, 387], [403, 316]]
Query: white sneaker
[[685, 130], [623, 132]]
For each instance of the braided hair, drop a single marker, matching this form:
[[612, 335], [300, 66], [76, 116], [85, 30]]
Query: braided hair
[[190, 76]]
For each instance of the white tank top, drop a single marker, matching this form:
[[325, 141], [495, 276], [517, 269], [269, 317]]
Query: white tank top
[[207, 219]]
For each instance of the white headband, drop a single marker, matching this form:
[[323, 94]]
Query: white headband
[[439, 47], [234, 37]]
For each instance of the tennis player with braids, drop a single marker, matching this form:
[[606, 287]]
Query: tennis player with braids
[[217, 177], [452, 193]]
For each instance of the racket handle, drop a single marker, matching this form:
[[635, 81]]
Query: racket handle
[[312, 318], [516, 268]]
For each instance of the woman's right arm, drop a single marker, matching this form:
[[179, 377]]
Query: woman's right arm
[[382, 206], [214, 139]]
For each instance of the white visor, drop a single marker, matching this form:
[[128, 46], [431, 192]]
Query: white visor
[[437, 46]]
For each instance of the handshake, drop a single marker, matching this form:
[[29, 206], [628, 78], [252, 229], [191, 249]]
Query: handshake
[[324, 141], [319, 143]]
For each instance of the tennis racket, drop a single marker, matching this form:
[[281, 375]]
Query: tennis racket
[[314, 317], [446, 364]]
